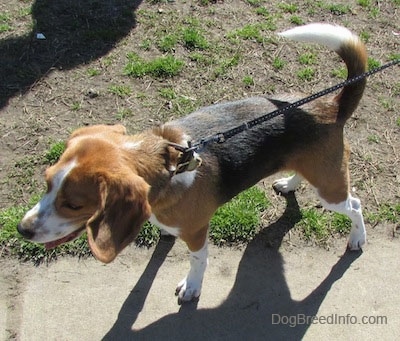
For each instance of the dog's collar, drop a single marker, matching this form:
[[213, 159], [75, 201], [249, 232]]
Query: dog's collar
[[188, 159]]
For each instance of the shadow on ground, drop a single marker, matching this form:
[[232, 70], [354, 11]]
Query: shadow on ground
[[76, 32], [260, 290]]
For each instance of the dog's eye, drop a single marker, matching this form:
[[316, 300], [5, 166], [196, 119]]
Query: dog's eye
[[72, 206]]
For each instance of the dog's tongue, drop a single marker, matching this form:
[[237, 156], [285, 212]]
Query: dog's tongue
[[66, 239]]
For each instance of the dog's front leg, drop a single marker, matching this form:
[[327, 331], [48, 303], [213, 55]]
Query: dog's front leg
[[190, 287]]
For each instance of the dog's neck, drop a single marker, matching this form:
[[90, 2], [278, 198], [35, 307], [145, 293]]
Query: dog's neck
[[157, 159]]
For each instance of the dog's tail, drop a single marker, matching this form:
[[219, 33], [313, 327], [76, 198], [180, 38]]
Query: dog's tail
[[349, 47]]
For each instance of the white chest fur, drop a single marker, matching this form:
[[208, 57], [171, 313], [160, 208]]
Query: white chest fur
[[174, 231]]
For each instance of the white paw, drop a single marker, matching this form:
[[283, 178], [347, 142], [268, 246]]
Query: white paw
[[286, 185], [188, 290], [357, 238]]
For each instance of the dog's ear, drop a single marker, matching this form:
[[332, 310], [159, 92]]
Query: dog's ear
[[123, 209]]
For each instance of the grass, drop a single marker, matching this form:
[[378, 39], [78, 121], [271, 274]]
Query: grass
[[193, 39], [386, 212], [307, 58], [235, 222], [161, 67], [13, 244], [288, 7], [248, 81], [306, 74], [217, 58], [120, 90], [238, 220], [54, 152], [278, 63], [339, 9], [373, 63], [5, 22], [320, 226], [248, 32], [124, 113], [340, 72]]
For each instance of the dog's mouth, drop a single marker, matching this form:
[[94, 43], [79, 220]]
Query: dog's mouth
[[63, 240]]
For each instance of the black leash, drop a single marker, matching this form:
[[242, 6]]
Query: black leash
[[221, 137]]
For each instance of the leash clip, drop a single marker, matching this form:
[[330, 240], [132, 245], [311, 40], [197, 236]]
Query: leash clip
[[188, 159]]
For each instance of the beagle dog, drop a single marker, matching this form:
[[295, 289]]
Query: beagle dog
[[108, 183]]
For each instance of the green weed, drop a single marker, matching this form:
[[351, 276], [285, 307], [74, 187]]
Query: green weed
[[319, 225], [161, 67], [76, 106], [262, 11], [373, 63], [341, 72], [91, 72], [124, 113], [339, 9], [394, 56], [248, 32], [5, 27], [194, 39], [306, 74], [54, 152], [120, 90], [167, 43], [365, 36], [373, 139], [386, 213], [248, 81], [296, 20], [255, 3], [278, 63], [225, 65], [364, 3], [238, 220], [288, 8], [308, 58], [167, 93]]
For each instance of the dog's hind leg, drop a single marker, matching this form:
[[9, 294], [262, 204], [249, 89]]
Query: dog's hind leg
[[352, 208], [286, 185], [330, 177]]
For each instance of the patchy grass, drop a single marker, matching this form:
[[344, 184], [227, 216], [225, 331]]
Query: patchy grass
[[173, 59], [13, 244], [306, 74], [320, 225], [235, 222], [120, 90], [387, 212], [238, 220], [54, 152], [161, 67]]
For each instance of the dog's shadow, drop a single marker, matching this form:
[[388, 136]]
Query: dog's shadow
[[65, 34], [260, 292]]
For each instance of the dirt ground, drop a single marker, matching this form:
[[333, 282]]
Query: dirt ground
[[46, 92]]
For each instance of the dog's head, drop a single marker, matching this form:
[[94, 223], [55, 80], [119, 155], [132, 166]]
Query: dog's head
[[90, 188]]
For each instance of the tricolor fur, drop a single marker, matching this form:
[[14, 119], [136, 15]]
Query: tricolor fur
[[109, 183]]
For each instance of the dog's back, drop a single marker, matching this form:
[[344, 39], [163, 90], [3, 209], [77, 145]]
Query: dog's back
[[269, 147]]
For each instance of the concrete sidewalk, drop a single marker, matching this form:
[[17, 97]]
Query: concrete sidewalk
[[255, 293]]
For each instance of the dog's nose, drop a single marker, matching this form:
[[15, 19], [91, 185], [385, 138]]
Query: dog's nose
[[26, 233]]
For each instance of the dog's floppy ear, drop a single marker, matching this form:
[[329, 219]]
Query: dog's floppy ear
[[123, 210]]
